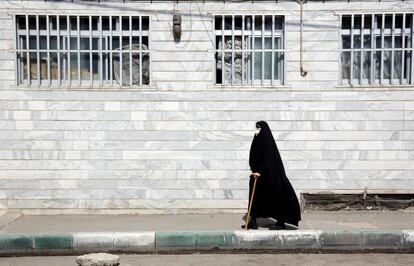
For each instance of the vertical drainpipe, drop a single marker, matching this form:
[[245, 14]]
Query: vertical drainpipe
[[303, 72]]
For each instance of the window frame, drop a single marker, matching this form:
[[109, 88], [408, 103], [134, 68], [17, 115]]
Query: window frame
[[220, 51], [63, 50], [406, 52]]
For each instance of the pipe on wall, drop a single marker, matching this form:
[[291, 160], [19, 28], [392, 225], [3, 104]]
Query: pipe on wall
[[303, 72]]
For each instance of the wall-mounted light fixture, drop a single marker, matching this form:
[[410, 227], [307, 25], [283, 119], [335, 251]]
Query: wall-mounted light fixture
[[177, 28]]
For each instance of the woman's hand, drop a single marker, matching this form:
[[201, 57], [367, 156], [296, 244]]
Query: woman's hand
[[255, 175]]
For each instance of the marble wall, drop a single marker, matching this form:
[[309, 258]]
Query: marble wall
[[182, 144]]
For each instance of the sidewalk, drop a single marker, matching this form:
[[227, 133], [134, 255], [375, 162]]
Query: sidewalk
[[344, 231], [15, 223]]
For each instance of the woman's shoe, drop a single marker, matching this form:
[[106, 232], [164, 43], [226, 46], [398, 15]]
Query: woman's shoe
[[252, 225], [278, 226]]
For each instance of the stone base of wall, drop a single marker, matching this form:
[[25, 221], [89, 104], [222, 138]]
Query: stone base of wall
[[120, 211]]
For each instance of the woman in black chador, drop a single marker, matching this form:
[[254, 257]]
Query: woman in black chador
[[274, 196]]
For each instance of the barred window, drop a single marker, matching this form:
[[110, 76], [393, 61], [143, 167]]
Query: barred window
[[249, 49], [82, 50], [377, 49]]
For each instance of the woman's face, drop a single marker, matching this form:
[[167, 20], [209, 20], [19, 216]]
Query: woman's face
[[257, 130]]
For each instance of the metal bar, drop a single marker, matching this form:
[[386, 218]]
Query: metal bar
[[351, 73], [120, 50], [232, 50], [68, 25], [361, 60], [412, 50], [392, 48], [403, 47], [130, 50], [59, 49], [140, 51], [48, 49], [262, 53], [149, 48], [110, 52], [28, 51], [16, 46], [272, 75], [372, 49], [78, 40], [38, 47], [341, 73], [21, 64], [101, 73], [269, 50], [222, 50], [284, 42], [213, 63], [242, 48], [382, 49], [253, 41], [65, 58], [90, 52], [106, 59], [248, 50]]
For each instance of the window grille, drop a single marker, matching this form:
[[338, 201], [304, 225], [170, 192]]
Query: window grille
[[249, 49], [376, 49], [82, 50]]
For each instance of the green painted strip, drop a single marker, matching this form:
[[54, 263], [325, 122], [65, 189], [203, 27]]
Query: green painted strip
[[382, 239], [15, 242], [341, 239], [215, 239], [58, 241], [195, 239], [175, 239]]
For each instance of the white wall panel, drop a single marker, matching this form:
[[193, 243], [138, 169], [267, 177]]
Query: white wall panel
[[183, 143]]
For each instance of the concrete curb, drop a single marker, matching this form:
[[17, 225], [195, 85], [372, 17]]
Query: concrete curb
[[138, 242], [310, 241]]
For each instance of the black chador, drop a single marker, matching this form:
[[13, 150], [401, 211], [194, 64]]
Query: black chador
[[274, 195]]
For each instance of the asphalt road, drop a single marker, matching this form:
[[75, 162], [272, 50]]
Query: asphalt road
[[230, 259]]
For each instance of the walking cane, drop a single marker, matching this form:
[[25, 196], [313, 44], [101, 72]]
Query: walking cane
[[250, 205]]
